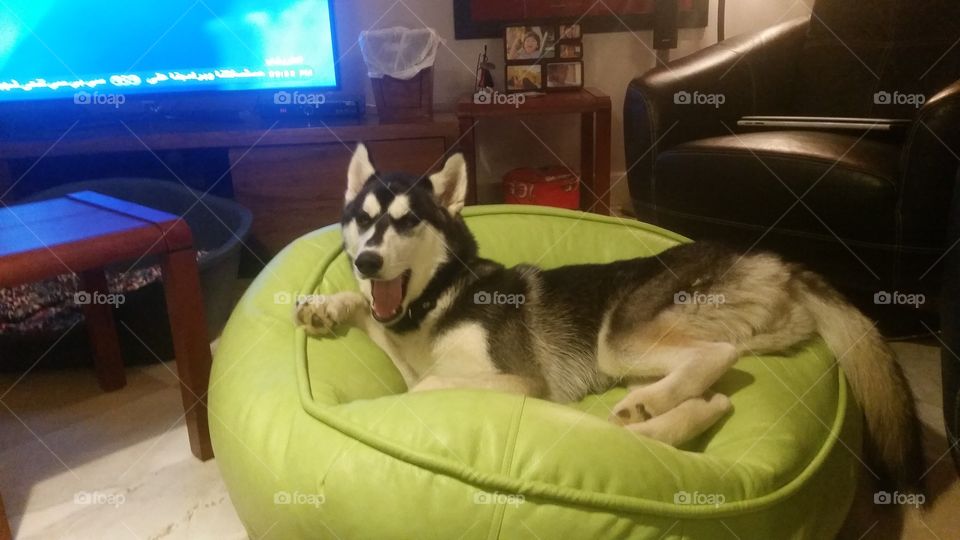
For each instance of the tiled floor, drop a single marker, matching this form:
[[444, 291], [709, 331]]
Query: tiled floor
[[76, 463], [939, 519]]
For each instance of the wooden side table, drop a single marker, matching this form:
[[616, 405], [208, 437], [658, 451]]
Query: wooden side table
[[5, 533], [83, 233], [591, 104]]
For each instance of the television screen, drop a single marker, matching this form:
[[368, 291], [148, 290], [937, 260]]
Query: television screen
[[61, 49]]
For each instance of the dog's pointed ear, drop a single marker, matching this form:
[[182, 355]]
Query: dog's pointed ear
[[450, 184], [359, 172]]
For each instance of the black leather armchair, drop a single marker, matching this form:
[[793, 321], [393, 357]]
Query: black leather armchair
[[869, 211], [950, 325]]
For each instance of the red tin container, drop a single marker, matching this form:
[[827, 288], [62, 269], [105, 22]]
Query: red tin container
[[544, 186]]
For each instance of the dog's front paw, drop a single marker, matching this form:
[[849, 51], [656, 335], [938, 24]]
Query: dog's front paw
[[321, 314], [314, 315]]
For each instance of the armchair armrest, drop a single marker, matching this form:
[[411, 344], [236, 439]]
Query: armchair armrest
[[928, 167], [749, 74], [950, 328]]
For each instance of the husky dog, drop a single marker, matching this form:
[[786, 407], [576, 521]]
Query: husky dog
[[450, 319]]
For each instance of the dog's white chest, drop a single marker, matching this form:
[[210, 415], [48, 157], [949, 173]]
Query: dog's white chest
[[460, 352]]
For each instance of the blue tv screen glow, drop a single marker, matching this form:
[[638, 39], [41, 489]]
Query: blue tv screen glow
[[57, 49]]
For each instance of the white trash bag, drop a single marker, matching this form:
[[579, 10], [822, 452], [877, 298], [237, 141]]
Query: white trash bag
[[398, 52]]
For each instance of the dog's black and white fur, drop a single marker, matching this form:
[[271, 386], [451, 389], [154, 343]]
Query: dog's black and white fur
[[582, 329]]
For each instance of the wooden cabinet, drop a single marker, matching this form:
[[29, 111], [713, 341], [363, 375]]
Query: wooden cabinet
[[293, 189], [291, 176]]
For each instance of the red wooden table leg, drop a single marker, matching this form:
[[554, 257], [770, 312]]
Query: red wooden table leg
[[181, 282], [602, 157], [468, 143], [588, 187], [5, 533], [101, 329]]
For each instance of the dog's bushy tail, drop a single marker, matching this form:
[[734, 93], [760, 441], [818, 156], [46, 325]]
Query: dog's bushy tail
[[893, 446]]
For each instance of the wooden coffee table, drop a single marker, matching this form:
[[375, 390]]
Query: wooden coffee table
[[5, 533], [591, 104], [83, 233]]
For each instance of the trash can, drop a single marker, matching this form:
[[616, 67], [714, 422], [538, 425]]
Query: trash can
[[400, 65], [219, 227]]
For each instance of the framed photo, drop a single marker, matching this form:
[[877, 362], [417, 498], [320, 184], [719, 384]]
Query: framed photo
[[570, 50], [485, 18], [570, 31], [524, 78], [564, 75], [530, 43]]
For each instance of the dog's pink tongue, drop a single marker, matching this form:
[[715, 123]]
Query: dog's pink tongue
[[387, 296]]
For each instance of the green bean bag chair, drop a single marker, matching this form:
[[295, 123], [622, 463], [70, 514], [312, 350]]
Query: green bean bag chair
[[316, 438]]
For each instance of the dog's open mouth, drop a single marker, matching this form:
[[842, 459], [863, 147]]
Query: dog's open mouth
[[388, 295]]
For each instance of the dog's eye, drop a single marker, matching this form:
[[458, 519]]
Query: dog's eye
[[364, 221], [408, 221]]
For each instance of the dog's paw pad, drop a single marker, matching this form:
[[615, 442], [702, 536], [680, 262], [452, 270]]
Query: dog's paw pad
[[629, 411], [315, 316]]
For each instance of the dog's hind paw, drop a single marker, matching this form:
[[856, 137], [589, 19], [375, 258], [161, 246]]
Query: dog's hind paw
[[643, 403], [629, 411], [321, 314]]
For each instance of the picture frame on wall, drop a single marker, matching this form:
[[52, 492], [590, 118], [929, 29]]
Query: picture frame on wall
[[570, 51], [564, 75], [524, 78], [529, 43], [571, 31], [543, 57], [485, 18]]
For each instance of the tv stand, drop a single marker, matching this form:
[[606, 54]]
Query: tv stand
[[291, 175]]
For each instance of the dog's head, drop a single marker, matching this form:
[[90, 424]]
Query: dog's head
[[397, 229]]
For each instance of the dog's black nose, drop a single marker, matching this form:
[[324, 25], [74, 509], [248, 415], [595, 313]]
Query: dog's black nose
[[369, 263]]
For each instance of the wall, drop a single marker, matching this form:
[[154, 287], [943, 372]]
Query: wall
[[611, 61]]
